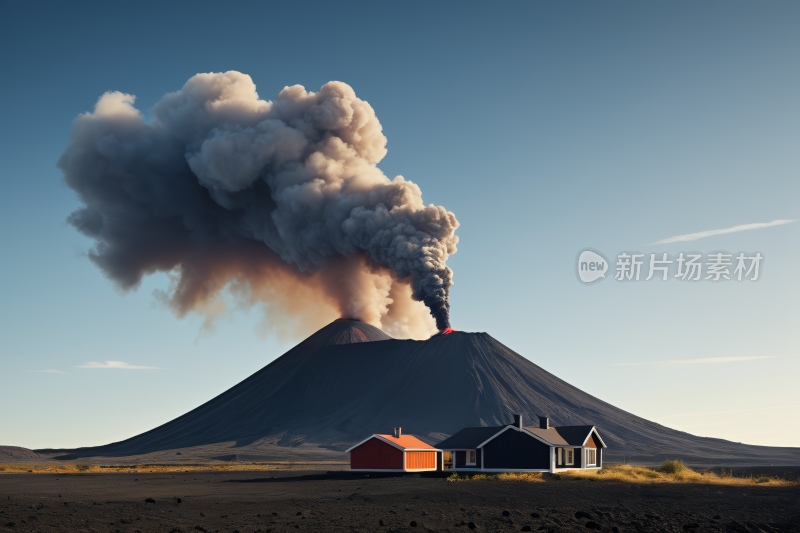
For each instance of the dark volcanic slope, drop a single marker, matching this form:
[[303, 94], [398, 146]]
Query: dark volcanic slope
[[350, 380]]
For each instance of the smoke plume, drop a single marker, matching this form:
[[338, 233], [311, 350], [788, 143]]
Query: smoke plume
[[280, 202]]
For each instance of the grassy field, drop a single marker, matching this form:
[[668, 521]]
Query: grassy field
[[237, 466], [669, 472]]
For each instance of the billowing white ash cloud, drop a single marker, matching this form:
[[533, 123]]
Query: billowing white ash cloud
[[268, 198]]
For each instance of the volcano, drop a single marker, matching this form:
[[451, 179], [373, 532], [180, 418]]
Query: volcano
[[350, 380]]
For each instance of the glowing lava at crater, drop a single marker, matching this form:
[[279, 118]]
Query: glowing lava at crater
[[448, 331]]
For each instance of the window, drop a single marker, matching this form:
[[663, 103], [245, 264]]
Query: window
[[560, 456], [591, 457], [470, 457], [569, 457]]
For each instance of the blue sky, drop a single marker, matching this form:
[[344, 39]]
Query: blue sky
[[545, 127]]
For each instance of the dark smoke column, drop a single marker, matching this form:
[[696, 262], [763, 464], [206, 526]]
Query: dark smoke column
[[222, 187]]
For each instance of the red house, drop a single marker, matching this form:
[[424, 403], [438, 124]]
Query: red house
[[392, 453]]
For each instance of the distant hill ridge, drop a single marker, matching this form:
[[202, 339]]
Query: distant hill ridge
[[15, 454], [349, 380]]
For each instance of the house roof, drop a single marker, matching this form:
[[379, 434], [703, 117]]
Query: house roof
[[403, 442], [575, 435], [406, 442], [550, 435], [469, 438]]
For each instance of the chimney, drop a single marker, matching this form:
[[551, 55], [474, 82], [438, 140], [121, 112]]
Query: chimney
[[397, 432], [518, 421], [544, 422]]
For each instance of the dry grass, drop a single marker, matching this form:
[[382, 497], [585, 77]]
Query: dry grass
[[673, 466], [683, 474], [528, 477], [669, 472], [73, 468]]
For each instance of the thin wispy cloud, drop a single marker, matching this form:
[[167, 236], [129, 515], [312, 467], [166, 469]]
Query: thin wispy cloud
[[116, 364], [711, 233], [697, 361], [48, 371]]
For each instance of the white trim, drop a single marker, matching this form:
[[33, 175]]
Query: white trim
[[552, 459], [594, 430], [404, 460]]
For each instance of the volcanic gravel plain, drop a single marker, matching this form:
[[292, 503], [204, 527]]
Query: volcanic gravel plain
[[339, 501]]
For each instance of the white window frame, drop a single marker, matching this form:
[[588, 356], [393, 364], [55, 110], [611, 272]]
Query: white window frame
[[570, 456], [591, 463], [474, 457]]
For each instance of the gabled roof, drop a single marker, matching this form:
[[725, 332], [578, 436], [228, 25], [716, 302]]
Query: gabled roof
[[469, 438], [408, 443], [575, 435], [578, 435]]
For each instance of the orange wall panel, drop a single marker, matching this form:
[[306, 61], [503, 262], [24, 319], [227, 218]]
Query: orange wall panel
[[420, 460]]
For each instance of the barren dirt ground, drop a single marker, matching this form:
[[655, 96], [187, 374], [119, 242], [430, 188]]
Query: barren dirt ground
[[246, 502]]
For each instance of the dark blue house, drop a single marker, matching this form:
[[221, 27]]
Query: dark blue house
[[519, 448]]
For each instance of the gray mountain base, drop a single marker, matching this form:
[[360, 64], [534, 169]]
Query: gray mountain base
[[350, 380]]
